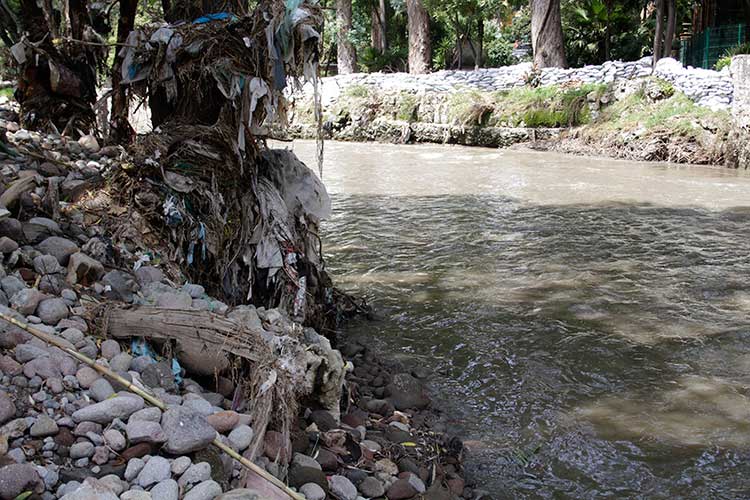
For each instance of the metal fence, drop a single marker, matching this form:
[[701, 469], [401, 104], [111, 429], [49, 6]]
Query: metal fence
[[704, 49]]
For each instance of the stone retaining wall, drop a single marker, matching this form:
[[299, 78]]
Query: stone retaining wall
[[708, 88]]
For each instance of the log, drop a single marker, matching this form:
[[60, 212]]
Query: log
[[203, 338]]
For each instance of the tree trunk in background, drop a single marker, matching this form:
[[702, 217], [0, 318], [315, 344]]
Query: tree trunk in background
[[658, 32], [120, 130], [378, 34], [479, 61], [671, 27], [347, 58], [420, 49], [547, 34], [57, 87]]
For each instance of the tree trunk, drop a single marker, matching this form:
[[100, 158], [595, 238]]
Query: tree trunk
[[547, 34], [120, 130], [378, 39], [658, 32], [479, 60], [57, 83], [420, 48], [347, 58], [671, 27]]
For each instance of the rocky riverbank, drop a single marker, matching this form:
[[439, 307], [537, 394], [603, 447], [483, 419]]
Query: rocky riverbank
[[67, 432], [619, 110]]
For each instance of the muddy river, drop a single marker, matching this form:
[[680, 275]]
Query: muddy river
[[587, 320]]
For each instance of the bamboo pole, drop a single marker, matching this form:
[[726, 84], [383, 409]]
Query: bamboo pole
[[150, 398]]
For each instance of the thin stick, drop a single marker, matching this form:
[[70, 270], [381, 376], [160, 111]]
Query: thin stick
[[150, 398]]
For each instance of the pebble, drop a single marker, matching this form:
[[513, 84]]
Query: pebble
[[157, 469], [110, 348], [342, 488], [81, 450], [117, 407], [114, 439], [166, 490], [180, 465], [241, 437], [196, 473], [144, 431], [101, 389], [44, 426], [134, 467], [312, 491], [186, 430], [7, 408], [206, 490]]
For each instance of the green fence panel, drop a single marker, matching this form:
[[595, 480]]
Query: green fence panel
[[704, 49]]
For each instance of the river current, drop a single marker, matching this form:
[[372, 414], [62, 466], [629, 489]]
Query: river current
[[587, 321]]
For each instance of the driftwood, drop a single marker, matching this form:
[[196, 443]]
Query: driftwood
[[16, 190], [203, 338]]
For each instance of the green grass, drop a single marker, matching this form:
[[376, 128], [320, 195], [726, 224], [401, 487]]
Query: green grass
[[550, 106]]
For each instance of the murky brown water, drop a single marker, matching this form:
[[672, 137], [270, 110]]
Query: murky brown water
[[587, 320]]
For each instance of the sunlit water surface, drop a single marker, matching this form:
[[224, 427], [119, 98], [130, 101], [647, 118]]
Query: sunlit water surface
[[587, 320]]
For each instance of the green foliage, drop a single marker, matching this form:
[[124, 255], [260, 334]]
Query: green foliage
[[550, 106], [726, 60], [406, 106], [394, 59]]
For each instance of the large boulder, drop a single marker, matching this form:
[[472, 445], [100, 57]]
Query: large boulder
[[186, 430]]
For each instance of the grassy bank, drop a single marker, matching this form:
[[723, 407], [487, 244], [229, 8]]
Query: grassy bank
[[644, 119]]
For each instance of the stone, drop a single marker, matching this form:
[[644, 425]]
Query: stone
[[143, 431], [89, 143], [114, 439], [86, 376], [60, 248], [241, 494], [371, 446], [85, 428], [312, 491], [7, 245], [117, 407], [207, 490], [224, 421], [402, 489], [195, 291], [327, 460], [119, 285], [136, 495], [241, 437], [157, 469], [159, 375], [37, 229], [199, 405], [148, 274], [46, 264], [18, 478], [91, 489], [12, 285], [149, 414], [83, 449], [7, 408], [109, 349], [299, 475], [371, 487], [101, 455], [26, 301], [166, 490], [139, 364], [83, 269], [406, 392], [101, 389], [121, 362], [342, 488], [324, 420], [275, 447], [174, 300], [305, 461], [196, 473], [9, 366], [52, 310], [186, 430], [43, 427], [134, 467], [180, 465]]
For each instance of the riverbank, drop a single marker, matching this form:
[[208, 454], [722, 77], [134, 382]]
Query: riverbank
[[94, 273], [676, 115]]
